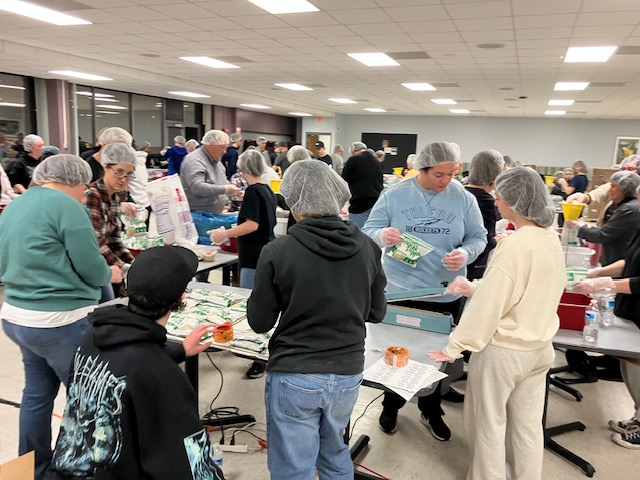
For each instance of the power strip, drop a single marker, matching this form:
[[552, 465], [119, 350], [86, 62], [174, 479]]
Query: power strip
[[235, 448]]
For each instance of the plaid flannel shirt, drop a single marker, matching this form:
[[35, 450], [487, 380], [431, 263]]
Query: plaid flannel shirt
[[105, 217]]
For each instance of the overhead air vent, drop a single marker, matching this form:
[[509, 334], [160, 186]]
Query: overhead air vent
[[409, 55]]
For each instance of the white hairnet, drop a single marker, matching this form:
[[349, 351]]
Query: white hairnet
[[215, 137], [179, 139], [145, 145], [313, 189], [411, 158], [65, 168], [631, 159], [234, 137], [338, 148], [30, 140], [191, 144], [252, 162], [115, 135], [355, 146], [524, 191], [456, 148], [626, 181], [261, 139], [298, 152], [380, 153], [433, 154], [486, 165], [114, 153]]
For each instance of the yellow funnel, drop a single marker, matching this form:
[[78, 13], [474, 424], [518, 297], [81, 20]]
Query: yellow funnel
[[398, 170], [548, 179], [572, 210], [275, 184]]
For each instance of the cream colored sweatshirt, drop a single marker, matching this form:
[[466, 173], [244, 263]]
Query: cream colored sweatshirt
[[514, 305]]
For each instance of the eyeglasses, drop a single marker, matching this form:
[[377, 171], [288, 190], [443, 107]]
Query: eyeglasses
[[119, 173]]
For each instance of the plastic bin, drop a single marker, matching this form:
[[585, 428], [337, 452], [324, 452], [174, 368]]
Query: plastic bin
[[571, 310], [232, 247]]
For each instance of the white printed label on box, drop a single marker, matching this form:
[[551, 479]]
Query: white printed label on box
[[411, 321]]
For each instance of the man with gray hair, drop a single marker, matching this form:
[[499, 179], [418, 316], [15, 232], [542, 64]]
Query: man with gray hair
[[337, 159], [21, 169], [230, 158], [203, 176], [175, 155], [261, 142]]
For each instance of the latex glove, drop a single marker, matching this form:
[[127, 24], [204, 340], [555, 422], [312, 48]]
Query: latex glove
[[218, 236], [440, 357], [593, 284], [391, 236], [576, 197], [594, 272], [455, 259], [194, 343], [502, 224], [574, 223], [129, 209], [116, 274], [460, 286], [124, 270], [232, 190]]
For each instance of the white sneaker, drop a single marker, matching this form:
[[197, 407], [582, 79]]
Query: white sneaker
[[625, 426]]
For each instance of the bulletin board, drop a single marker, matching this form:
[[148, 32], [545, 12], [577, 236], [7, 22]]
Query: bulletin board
[[397, 147]]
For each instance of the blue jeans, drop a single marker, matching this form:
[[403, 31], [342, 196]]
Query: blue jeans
[[47, 354], [247, 278], [359, 218], [306, 418], [106, 293]]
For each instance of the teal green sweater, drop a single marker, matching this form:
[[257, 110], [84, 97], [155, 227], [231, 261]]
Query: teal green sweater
[[49, 255]]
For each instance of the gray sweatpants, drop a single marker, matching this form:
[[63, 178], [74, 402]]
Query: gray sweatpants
[[631, 377], [503, 412]]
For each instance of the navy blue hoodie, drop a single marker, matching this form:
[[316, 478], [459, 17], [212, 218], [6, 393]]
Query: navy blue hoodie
[[175, 155]]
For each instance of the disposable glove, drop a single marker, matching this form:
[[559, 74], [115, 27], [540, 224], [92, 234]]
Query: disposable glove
[[455, 259], [440, 357], [391, 236], [591, 285], [460, 286]]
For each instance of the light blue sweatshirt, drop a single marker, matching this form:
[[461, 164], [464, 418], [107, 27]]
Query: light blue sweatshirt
[[446, 220]]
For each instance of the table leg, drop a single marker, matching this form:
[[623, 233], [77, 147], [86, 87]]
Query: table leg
[[226, 275]]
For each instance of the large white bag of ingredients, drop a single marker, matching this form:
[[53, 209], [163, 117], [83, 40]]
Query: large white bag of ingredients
[[171, 207]]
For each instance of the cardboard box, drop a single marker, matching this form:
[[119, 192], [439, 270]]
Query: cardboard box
[[600, 176], [21, 468]]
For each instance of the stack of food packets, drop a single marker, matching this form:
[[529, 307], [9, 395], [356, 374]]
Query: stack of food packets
[[410, 250], [143, 242]]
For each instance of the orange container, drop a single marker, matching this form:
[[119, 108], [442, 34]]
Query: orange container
[[396, 356], [223, 333]]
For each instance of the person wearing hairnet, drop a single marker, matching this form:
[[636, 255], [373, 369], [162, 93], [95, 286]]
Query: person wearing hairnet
[[317, 349], [363, 173], [105, 137], [509, 324], [102, 199], [443, 214], [411, 171], [21, 169], [52, 270], [579, 182]]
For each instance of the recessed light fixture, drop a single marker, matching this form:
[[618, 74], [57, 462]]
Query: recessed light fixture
[[375, 110], [112, 107], [444, 101], [14, 87], [419, 86], [559, 103], [375, 59], [571, 85], [254, 105], [9, 104], [293, 86], [190, 94], [555, 112], [209, 62], [83, 76], [588, 54], [342, 100], [300, 114], [285, 6], [43, 14], [459, 110]]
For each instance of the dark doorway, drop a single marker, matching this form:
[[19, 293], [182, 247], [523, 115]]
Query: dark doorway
[[397, 145]]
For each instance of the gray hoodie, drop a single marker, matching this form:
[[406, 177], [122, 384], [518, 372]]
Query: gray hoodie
[[204, 180]]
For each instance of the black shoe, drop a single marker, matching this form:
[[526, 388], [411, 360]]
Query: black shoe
[[256, 370], [580, 379], [388, 423], [437, 427], [453, 396]]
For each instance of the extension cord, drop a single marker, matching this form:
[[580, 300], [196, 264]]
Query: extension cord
[[235, 448]]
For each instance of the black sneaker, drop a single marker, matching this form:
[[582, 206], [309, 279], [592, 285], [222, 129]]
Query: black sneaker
[[438, 428], [256, 370], [388, 423], [627, 440], [453, 396], [625, 426]]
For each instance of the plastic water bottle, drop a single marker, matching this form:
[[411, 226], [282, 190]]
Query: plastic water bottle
[[607, 303], [591, 316], [217, 455]]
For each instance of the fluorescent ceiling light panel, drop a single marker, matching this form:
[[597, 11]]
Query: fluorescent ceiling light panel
[[102, 95], [285, 6], [254, 105], [43, 14], [109, 113], [559, 103], [419, 86], [14, 87], [555, 112], [293, 86], [9, 104], [342, 100], [588, 54], [459, 110], [209, 62], [376, 59], [189, 94], [112, 107], [444, 101], [83, 76], [375, 110], [300, 114], [571, 85]]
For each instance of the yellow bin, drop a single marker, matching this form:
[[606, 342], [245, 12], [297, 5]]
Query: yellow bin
[[572, 210], [398, 170], [548, 179], [275, 184]]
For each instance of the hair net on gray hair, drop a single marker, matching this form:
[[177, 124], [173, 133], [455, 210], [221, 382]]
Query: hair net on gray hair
[[313, 189], [508, 162], [65, 168], [191, 145], [631, 159], [179, 139], [433, 154], [580, 165], [380, 153], [626, 181], [114, 153], [261, 139], [411, 158], [115, 135], [145, 145], [355, 146], [338, 148], [30, 140], [215, 137], [252, 162], [234, 137], [558, 175], [486, 165], [50, 150], [298, 152], [524, 191]]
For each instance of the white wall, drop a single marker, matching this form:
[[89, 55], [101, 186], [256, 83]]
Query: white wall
[[327, 125], [539, 141]]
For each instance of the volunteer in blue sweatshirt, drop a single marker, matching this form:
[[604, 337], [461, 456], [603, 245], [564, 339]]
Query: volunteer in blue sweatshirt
[[175, 155], [443, 214]]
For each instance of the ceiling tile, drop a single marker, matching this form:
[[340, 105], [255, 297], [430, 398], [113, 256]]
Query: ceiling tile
[[479, 10], [503, 23], [407, 14], [543, 7], [366, 15], [137, 14]]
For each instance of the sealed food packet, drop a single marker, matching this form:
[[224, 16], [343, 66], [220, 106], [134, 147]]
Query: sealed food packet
[[410, 250]]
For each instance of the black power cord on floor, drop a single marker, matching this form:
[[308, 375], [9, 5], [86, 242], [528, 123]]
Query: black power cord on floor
[[353, 427]]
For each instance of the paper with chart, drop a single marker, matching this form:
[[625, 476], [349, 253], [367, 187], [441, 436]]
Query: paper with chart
[[405, 381]]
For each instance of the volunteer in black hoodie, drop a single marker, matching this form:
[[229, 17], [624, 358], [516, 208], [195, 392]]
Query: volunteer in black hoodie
[[316, 353], [130, 411]]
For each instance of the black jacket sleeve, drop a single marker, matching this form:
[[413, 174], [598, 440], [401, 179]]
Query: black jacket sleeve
[[620, 224], [175, 351], [378, 298], [264, 305]]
